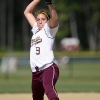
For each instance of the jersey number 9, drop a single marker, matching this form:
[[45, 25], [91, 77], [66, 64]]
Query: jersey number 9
[[37, 50]]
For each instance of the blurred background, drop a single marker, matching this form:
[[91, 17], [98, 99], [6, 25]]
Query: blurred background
[[76, 47]]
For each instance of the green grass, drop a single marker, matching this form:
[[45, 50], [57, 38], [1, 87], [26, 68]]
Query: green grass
[[79, 77], [75, 77], [19, 81]]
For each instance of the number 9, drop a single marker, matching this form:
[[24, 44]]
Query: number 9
[[37, 50]]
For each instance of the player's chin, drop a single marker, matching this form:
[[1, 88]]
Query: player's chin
[[40, 27]]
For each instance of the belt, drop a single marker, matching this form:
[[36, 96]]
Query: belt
[[37, 68]]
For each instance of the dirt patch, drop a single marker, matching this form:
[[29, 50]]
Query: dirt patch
[[62, 96]]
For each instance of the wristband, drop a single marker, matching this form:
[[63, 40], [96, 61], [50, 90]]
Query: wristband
[[48, 2]]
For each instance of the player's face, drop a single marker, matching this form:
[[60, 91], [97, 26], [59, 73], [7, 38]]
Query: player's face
[[41, 20]]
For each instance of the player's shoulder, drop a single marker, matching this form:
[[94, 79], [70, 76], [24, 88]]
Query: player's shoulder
[[34, 28], [47, 26]]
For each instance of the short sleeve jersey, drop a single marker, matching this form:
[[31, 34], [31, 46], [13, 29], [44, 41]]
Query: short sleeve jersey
[[42, 41]]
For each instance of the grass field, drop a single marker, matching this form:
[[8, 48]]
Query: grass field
[[74, 77]]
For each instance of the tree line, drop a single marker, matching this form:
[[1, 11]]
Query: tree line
[[77, 18]]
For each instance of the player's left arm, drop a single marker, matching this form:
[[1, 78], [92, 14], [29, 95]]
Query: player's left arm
[[53, 14]]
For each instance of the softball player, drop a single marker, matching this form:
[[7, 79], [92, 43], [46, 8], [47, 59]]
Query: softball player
[[44, 71]]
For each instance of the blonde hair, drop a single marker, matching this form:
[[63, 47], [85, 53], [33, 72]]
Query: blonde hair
[[43, 11]]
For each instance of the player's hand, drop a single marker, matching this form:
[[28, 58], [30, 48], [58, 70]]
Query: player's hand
[[48, 2]]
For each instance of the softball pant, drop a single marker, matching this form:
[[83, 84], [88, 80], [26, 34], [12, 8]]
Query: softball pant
[[44, 82]]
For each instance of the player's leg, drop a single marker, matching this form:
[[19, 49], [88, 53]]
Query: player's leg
[[37, 87], [50, 77]]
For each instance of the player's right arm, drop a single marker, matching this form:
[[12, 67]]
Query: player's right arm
[[29, 12]]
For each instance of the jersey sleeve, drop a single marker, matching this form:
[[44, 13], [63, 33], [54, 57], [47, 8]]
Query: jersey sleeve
[[51, 32], [54, 30], [34, 29]]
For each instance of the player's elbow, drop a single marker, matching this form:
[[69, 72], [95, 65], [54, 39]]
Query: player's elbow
[[25, 12]]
